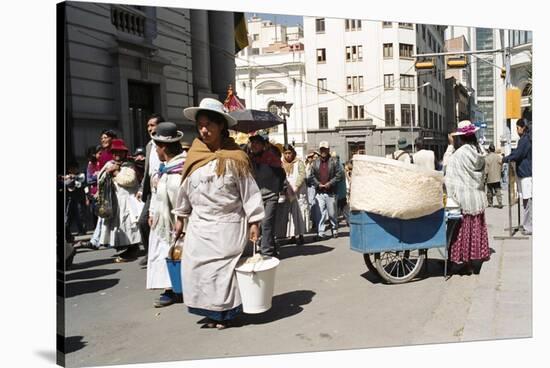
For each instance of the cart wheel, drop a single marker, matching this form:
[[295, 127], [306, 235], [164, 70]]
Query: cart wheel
[[400, 266], [368, 261]]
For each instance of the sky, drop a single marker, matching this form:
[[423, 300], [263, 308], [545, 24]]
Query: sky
[[288, 20]]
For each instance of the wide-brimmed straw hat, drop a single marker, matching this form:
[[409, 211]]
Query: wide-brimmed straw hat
[[167, 132], [210, 104], [465, 127]]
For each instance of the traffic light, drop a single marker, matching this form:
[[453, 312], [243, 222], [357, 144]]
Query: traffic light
[[424, 64], [456, 63], [503, 73]]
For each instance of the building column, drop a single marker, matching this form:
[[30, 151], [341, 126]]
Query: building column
[[222, 49], [200, 54]]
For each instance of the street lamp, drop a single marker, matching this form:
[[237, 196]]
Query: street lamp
[[284, 111], [411, 114]]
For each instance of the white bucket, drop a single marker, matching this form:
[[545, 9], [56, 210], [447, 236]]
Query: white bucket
[[256, 284]]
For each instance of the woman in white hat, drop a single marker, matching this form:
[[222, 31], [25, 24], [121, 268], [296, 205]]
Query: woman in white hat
[[223, 206], [464, 182], [165, 185]]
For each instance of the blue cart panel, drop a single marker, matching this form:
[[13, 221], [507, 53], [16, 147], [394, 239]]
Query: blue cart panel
[[371, 233]]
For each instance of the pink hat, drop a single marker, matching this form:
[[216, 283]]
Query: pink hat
[[465, 127]]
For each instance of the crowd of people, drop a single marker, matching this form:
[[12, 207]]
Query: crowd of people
[[218, 198]]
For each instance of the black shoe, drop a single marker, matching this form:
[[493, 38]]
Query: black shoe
[[300, 240], [87, 245], [143, 261], [500, 206]]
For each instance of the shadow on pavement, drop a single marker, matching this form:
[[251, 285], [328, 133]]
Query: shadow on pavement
[[74, 343], [90, 274], [283, 306], [90, 286], [372, 277], [90, 264], [49, 356], [303, 250]]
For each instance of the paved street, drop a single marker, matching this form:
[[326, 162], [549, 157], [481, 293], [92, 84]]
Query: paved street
[[324, 300]]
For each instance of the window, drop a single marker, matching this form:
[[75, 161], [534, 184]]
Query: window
[[322, 85], [320, 25], [321, 55], [323, 117], [354, 53], [387, 24], [405, 50], [255, 37], [424, 32], [407, 81], [439, 95], [431, 92], [354, 83], [407, 114], [440, 123], [388, 81], [388, 50], [484, 39], [429, 39], [431, 123], [255, 51], [353, 25], [487, 108], [390, 114], [356, 112], [485, 78], [406, 25], [425, 117]]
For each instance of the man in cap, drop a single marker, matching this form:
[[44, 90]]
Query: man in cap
[[402, 154], [493, 173], [152, 163], [325, 174], [270, 177]]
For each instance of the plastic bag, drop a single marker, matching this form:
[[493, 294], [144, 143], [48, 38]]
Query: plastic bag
[[106, 198]]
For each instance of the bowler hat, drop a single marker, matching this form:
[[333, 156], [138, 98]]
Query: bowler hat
[[167, 132]]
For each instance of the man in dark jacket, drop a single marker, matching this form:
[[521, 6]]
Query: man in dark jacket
[[522, 156], [270, 177], [326, 172], [152, 163]]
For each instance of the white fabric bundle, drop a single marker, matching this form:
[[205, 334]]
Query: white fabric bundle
[[394, 189]]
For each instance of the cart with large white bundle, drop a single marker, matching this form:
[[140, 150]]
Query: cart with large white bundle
[[397, 215]]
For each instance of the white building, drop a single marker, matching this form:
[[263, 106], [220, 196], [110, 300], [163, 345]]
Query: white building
[[486, 79], [272, 69], [361, 84]]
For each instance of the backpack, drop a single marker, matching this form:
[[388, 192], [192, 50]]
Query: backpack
[[401, 154]]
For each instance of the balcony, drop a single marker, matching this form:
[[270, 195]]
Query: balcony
[[128, 20]]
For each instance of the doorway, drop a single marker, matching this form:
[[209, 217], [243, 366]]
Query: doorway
[[141, 104]]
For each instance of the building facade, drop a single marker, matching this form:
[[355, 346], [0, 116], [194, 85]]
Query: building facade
[[486, 78], [124, 62], [363, 92], [272, 70]]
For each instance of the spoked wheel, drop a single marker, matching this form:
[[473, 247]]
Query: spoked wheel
[[399, 266], [368, 261]]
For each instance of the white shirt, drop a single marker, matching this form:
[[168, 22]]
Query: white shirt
[[425, 158], [154, 161]]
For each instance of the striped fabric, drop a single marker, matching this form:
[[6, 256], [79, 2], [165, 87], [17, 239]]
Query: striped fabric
[[464, 179]]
